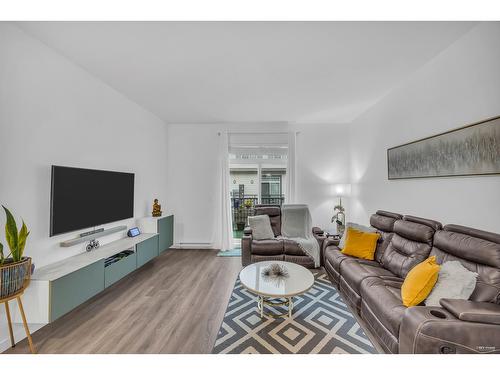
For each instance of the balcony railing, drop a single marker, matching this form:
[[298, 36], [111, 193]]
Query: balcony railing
[[241, 208]]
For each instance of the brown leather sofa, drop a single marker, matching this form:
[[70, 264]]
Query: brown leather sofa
[[373, 288], [253, 250]]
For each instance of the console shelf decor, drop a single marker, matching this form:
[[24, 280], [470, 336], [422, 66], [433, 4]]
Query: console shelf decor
[[93, 236]]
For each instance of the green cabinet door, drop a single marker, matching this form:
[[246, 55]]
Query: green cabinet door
[[73, 289], [166, 231], [119, 270], [147, 250]]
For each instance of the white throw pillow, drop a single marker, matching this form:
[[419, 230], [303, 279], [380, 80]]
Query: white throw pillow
[[261, 227], [454, 281], [362, 228]]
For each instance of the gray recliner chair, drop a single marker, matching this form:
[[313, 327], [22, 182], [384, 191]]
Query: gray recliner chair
[[253, 250]]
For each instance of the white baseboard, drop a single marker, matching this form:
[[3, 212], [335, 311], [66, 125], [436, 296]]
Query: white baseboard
[[193, 245]]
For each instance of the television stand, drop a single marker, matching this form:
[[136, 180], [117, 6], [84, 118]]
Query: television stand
[[60, 287]]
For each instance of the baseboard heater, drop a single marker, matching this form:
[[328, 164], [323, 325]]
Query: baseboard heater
[[193, 245]]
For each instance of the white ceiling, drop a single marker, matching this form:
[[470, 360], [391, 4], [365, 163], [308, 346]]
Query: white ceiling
[[199, 72]]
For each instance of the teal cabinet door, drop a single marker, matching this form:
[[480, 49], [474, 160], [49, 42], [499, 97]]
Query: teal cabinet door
[[119, 270], [71, 290], [146, 250], [166, 232]]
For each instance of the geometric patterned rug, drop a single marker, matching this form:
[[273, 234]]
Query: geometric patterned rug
[[321, 323]]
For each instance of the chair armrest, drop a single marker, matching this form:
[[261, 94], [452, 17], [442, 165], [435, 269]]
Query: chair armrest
[[320, 237], [246, 247], [470, 311], [318, 231]]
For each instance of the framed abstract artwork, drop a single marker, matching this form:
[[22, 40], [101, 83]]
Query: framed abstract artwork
[[467, 151]]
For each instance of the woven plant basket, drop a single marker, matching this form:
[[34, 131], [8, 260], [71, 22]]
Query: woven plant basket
[[14, 277]]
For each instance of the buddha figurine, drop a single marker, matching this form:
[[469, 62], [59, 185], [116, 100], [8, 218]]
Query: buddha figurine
[[156, 209]]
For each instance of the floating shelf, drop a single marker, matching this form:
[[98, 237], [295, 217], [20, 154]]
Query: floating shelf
[[92, 236]]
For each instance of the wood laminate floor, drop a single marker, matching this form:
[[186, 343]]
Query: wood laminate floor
[[174, 304]]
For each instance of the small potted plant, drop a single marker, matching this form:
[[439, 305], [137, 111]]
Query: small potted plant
[[248, 203], [241, 218], [15, 269]]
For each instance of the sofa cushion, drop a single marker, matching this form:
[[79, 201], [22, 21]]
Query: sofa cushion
[[419, 282], [477, 251], [303, 260], [435, 225], [383, 221], [263, 258], [274, 213], [333, 257], [383, 242], [292, 248], [354, 271], [402, 255], [414, 231], [463, 245], [360, 244], [267, 247], [410, 245], [454, 281], [384, 337], [383, 297], [358, 227], [350, 296], [261, 227], [394, 215]]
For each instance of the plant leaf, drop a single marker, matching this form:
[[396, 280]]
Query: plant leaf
[[23, 235], [1, 254], [11, 233]]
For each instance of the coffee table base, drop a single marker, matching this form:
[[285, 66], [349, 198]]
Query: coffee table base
[[288, 302]]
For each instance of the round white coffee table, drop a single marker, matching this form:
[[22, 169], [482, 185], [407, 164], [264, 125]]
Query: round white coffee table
[[276, 291]]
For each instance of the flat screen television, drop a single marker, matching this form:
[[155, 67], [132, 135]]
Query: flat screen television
[[84, 198]]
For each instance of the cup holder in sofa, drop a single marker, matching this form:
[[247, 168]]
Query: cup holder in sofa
[[438, 314]]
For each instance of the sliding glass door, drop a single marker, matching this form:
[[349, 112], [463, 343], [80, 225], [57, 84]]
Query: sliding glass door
[[244, 195], [258, 166], [272, 185]]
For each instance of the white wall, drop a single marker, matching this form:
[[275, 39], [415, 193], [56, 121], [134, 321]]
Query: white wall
[[193, 181], [53, 112], [459, 86], [323, 160], [194, 178]]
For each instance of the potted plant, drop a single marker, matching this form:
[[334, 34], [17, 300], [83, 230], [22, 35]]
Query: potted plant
[[15, 269], [248, 203], [241, 218]]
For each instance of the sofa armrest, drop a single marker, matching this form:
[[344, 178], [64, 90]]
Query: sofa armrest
[[470, 311], [331, 242], [246, 247], [320, 237], [435, 330]]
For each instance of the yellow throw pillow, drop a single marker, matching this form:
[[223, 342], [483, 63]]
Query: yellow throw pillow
[[419, 282], [360, 244]]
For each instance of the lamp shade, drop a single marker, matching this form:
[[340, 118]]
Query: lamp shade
[[342, 190]]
